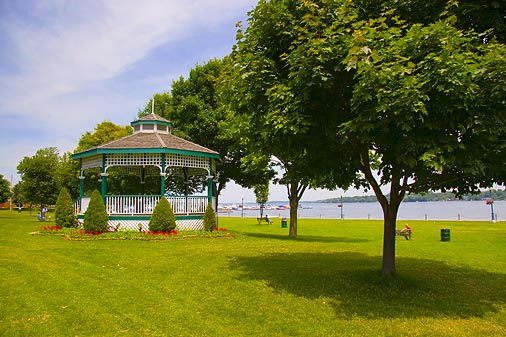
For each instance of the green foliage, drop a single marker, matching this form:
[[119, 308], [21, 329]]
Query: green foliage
[[261, 195], [414, 98], [104, 133], [95, 217], [39, 177], [162, 219], [195, 107], [209, 218], [64, 210], [5, 189]]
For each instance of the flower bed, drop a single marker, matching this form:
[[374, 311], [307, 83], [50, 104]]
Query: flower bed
[[82, 235]]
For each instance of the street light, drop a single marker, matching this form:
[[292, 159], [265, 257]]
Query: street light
[[341, 206]]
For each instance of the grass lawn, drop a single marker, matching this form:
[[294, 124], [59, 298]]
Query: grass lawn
[[327, 282]]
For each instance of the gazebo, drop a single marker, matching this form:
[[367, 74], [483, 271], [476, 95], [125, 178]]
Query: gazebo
[[151, 151]]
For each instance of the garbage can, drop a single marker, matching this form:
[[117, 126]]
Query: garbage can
[[445, 234], [283, 223]]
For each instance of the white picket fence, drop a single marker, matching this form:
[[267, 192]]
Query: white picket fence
[[144, 204]]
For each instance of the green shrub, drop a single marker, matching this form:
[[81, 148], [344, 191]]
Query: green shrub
[[162, 219], [209, 218], [64, 210], [95, 217]]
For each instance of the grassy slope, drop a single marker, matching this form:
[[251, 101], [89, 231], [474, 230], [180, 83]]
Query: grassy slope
[[325, 283]]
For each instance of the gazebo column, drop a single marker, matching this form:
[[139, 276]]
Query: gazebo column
[[81, 189], [103, 178], [162, 176]]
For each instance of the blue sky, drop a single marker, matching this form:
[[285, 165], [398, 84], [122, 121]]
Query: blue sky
[[66, 66]]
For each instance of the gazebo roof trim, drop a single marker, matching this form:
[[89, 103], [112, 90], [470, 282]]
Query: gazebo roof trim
[[151, 119], [149, 143]]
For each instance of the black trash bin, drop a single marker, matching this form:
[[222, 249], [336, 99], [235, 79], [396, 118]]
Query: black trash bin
[[283, 223], [445, 234]]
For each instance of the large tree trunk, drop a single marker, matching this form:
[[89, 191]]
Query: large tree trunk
[[294, 205], [295, 192], [389, 222], [390, 209]]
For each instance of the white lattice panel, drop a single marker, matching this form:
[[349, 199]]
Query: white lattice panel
[[193, 224], [182, 160], [134, 159]]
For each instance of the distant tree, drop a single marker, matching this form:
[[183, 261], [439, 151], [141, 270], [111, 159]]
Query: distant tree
[[17, 194], [104, 133], [64, 210], [95, 216], [195, 108], [162, 219], [67, 175], [162, 105], [209, 218], [38, 175], [5, 189], [262, 196]]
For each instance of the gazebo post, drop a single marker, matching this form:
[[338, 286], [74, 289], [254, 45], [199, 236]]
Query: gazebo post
[[103, 178], [162, 176]]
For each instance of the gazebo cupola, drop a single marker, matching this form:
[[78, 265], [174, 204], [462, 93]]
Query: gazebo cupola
[[151, 151], [152, 123]]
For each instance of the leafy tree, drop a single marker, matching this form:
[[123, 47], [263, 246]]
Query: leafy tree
[[5, 189], [67, 175], [419, 112], [416, 102], [17, 194], [104, 132], [95, 216], [209, 218], [38, 174], [195, 107], [161, 108], [64, 210], [162, 219], [262, 196], [283, 117]]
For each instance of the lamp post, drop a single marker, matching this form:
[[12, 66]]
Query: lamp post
[[491, 203], [341, 206]]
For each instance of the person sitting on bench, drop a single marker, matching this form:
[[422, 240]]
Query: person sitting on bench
[[406, 231], [269, 221]]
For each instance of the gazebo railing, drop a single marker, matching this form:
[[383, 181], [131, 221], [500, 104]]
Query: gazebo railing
[[145, 204]]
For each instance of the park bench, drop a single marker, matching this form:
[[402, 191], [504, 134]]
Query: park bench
[[264, 219], [403, 232]]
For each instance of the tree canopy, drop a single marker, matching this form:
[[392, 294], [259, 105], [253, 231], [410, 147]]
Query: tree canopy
[[283, 117], [195, 107], [407, 98], [5, 189], [38, 177]]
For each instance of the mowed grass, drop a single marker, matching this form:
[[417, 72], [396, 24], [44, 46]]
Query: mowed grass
[[327, 282]]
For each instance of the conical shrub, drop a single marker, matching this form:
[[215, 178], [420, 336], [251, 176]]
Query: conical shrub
[[163, 218], [209, 218], [64, 210], [95, 217]]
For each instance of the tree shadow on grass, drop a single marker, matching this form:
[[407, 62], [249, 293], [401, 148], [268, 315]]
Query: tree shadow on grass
[[304, 238], [352, 284]]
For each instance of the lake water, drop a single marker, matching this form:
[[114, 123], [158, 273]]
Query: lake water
[[441, 210]]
